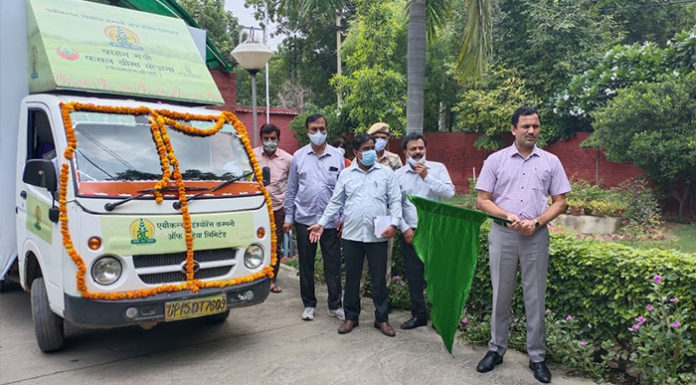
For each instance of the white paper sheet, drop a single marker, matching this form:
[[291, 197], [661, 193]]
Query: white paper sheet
[[381, 224]]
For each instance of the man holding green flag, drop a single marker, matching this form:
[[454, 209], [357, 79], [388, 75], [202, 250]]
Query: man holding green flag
[[425, 179], [516, 183]]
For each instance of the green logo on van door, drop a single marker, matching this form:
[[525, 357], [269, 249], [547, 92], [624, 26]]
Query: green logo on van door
[[37, 218], [142, 231]]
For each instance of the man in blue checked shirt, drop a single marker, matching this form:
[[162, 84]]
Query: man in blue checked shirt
[[313, 174], [364, 191]]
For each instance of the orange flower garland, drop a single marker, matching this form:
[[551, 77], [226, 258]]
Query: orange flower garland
[[158, 121]]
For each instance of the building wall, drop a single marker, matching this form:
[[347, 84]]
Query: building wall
[[456, 150], [279, 116]]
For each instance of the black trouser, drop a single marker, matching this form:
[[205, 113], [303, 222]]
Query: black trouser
[[331, 253], [354, 253], [416, 282]]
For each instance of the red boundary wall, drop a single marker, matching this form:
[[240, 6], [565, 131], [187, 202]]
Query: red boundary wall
[[456, 150]]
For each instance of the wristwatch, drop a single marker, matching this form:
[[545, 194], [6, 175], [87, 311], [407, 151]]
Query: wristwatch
[[536, 223]]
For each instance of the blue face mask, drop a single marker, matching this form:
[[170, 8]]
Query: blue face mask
[[317, 138], [369, 158]]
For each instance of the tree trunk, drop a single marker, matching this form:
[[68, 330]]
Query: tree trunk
[[415, 63]]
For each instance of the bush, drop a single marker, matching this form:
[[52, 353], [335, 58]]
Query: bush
[[604, 286]]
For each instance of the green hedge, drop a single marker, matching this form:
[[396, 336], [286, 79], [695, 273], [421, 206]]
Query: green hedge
[[603, 285]]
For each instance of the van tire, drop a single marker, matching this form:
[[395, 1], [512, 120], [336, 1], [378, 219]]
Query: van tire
[[218, 318], [48, 326]]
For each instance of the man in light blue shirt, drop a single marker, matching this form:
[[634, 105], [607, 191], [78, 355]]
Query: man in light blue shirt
[[425, 179], [364, 191], [313, 174]]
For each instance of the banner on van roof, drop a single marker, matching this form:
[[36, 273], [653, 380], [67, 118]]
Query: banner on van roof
[[80, 45]]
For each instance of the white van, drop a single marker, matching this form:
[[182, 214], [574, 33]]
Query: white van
[[127, 204]]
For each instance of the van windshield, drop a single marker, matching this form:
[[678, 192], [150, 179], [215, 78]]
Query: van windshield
[[118, 147]]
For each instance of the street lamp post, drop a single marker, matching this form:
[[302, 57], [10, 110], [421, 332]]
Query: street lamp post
[[252, 56]]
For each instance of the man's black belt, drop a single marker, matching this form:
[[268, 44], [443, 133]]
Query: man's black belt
[[499, 222]]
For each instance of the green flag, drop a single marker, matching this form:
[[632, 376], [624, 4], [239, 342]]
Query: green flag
[[447, 241]]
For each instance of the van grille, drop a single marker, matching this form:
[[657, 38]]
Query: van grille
[[152, 260], [180, 277], [171, 263]]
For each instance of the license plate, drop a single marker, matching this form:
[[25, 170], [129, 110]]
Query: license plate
[[196, 307]]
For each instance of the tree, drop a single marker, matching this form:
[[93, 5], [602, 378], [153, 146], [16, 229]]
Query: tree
[[309, 54], [652, 125], [649, 20], [488, 108], [621, 67], [373, 84], [474, 53]]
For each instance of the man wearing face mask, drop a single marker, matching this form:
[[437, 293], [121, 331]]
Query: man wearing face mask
[[425, 179], [364, 191], [380, 132], [313, 174], [269, 155]]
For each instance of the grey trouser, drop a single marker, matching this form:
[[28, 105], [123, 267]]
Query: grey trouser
[[507, 249]]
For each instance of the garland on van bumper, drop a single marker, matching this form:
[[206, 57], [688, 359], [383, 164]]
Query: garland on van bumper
[[159, 120]]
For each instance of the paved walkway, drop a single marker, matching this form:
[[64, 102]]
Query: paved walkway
[[264, 344]]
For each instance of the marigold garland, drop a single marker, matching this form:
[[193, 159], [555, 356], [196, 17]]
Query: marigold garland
[[159, 119]]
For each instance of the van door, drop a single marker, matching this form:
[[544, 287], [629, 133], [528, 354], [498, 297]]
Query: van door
[[37, 234]]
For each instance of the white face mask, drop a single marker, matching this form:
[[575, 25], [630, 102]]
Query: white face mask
[[317, 138], [414, 162], [270, 146], [380, 144]]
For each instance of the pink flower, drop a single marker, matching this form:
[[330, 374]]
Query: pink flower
[[634, 328], [569, 318], [548, 311], [650, 307], [465, 320], [676, 324], [583, 343], [516, 320], [397, 277], [640, 320], [673, 300], [657, 279], [624, 222]]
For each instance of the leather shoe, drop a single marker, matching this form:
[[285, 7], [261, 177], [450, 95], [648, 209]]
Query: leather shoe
[[489, 362], [414, 322], [541, 371], [385, 328], [347, 326]]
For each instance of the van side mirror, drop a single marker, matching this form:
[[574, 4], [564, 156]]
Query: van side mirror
[[266, 172], [41, 173]]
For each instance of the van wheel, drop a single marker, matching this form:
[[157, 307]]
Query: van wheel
[[48, 326], [218, 318]]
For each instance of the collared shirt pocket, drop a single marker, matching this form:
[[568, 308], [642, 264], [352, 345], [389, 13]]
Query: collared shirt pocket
[[542, 179]]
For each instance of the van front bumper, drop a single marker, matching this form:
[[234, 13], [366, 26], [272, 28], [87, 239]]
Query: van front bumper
[[100, 313]]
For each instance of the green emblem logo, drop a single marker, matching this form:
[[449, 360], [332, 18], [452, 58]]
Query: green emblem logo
[[142, 231]]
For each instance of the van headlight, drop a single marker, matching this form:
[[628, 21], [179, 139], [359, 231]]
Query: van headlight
[[106, 270], [253, 257]]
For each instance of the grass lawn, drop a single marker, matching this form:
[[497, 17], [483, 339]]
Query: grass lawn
[[680, 237]]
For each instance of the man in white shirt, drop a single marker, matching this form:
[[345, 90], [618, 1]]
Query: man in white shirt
[[364, 190], [425, 179]]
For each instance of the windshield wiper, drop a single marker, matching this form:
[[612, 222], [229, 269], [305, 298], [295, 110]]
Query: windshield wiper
[[112, 205], [177, 204]]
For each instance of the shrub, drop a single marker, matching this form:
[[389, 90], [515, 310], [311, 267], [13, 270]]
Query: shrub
[[603, 285]]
